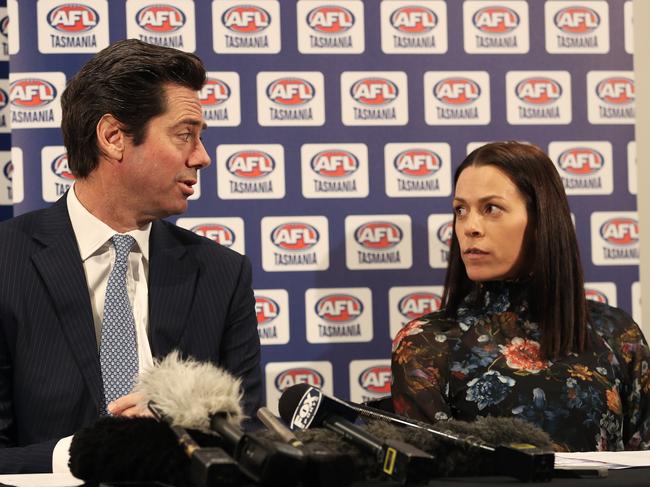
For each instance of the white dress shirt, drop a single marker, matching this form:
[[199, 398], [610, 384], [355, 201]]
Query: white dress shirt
[[97, 256]]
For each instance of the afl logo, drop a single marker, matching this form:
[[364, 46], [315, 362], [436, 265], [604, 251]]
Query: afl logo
[[414, 19], [378, 235], [330, 19], [415, 305], [8, 170], [290, 91], [445, 233], [160, 18], [581, 161], [577, 20], [339, 308], [336, 163], [4, 26], [616, 91], [4, 98], [73, 18], [266, 310], [376, 380], [496, 19], [595, 295], [214, 92], [538, 91], [301, 375], [457, 91], [246, 19], [250, 164], [60, 167], [620, 231], [417, 162], [374, 91], [216, 232], [295, 236], [31, 93]]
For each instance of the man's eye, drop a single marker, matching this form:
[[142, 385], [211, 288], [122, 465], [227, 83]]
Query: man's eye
[[186, 136]]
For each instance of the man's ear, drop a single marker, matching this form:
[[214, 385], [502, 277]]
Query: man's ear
[[110, 137]]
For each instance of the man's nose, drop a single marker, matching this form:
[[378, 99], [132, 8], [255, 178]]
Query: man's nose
[[200, 157]]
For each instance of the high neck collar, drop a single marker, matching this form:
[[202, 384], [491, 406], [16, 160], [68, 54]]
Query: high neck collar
[[500, 296]]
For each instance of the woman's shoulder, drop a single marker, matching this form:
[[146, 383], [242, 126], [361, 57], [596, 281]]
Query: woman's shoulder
[[614, 325], [434, 323]]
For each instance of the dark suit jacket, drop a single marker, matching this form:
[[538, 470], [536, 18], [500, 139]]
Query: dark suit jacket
[[200, 302]]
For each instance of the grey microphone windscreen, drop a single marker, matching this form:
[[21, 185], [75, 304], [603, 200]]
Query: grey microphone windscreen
[[190, 392]]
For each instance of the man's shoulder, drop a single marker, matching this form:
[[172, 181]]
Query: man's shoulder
[[200, 247], [21, 228]]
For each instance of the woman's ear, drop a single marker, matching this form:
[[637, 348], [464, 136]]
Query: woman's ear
[[110, 137]]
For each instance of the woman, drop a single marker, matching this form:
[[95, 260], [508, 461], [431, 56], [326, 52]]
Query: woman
[[516, 336]]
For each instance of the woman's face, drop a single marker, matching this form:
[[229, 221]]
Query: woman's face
[[491, 220]]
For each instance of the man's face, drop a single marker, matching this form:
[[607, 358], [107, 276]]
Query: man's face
[[159, 173]]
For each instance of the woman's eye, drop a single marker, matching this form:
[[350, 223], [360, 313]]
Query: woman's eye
[[460, 211], [492, 209]]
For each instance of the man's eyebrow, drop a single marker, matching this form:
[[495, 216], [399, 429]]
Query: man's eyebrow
[[191, 121]]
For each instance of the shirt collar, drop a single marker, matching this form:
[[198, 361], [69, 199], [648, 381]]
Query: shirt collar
[[92, 233]]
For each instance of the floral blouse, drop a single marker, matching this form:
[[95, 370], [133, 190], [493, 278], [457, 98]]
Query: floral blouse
[[487, 362]]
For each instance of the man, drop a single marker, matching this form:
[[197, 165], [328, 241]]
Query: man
[[69, 347]]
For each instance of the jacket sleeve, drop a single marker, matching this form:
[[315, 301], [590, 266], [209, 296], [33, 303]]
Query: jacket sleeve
[[17, 459], [240, 349]]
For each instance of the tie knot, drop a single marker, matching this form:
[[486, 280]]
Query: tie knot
[[123, 245]]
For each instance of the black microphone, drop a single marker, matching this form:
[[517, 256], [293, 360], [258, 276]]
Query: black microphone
[[198, 395], [325, 468], [306, 406], [520, 459]]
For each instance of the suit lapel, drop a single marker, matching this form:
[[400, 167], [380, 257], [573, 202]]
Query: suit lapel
[[173, 274], [59, 264]]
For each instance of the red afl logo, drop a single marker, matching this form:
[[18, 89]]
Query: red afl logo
[[376, 380], [290, 91], [616, 90], [414, 305], [457, 91], [214, 92], [581, 161], [374, 91], [250, 164], [266, 309], [246, 19], [295, 236], [8, 170], [445, 233], [216, 232], [595, 295], [300, 375], [60, 167], [4, 99], [334, 163], [378, 235], [414, 19], [160, 18], [339, 308], [620, 231], [538, 91], [577, 20], [329, 19], [417, 162], [496, 19], [31, 93], [73, 18], [4, 26]]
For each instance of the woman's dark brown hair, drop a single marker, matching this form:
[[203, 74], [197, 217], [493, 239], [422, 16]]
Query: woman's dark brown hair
[[556, 294]]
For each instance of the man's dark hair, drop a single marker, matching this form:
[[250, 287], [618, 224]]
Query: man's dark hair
[[126, 80], [556, 295]]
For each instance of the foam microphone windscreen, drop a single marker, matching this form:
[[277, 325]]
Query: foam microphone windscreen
[[117, 449], [189, 392]]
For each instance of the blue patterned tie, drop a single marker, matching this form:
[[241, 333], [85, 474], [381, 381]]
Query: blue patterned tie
[[118, 352]]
